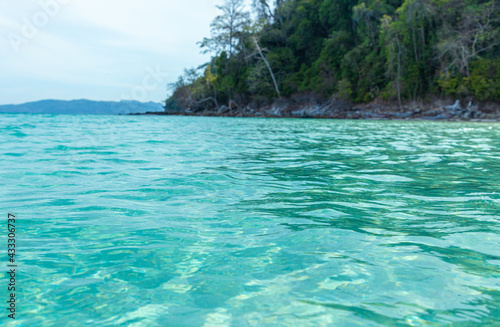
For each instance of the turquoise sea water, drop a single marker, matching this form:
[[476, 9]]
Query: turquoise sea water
[[196, 221]]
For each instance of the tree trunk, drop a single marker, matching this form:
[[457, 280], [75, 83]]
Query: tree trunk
[[398, 84], [268, 66]]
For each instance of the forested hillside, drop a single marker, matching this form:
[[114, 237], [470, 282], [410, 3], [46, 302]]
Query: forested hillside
[[354, 51]]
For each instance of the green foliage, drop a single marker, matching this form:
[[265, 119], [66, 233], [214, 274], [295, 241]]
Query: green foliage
[[450, 85], [345, 90], [484, 81], [227, 29], [336, 15], [359, 50]]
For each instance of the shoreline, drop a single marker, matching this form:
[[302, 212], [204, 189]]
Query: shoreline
[[437, 110], [428, 119]]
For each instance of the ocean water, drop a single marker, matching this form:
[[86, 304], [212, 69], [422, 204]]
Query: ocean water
[[197, 221]]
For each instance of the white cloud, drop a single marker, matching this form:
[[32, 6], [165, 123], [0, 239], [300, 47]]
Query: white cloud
[[97, 49]]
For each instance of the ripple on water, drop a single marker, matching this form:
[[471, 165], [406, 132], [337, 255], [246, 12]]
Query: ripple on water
[[197, 221]]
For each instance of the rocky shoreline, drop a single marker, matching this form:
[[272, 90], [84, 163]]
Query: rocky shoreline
[[439, 109]]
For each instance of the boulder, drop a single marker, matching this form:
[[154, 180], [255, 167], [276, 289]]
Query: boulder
[[233, 105], [432, 113], [467, 115], [222, 110], [454, 107]]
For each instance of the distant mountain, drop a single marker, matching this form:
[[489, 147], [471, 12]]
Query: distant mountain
[[83, 107]]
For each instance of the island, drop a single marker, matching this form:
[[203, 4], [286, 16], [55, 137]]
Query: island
[[415, 59]]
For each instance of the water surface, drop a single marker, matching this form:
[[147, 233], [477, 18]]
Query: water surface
[[197, 221]]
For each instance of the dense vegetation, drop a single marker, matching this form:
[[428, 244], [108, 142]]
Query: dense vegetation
[[355, 50]]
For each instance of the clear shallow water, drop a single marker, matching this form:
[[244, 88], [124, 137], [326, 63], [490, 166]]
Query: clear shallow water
[[194, 221]]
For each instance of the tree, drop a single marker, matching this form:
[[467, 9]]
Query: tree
[[227, 28], [476, 33], [263, 10], [268, 66], [359, 49], [394, 51]]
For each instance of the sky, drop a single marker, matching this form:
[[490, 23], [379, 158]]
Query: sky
[[108, 50]]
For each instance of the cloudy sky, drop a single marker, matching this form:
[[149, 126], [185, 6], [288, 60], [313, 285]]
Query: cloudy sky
[[98, 49]]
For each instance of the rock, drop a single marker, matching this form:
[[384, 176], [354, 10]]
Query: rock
[[454, 107], [432, 113], [372, 115], [472, 107], [443, 116], [338, 106], [233, 105], [222, 110], [402, 114]]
